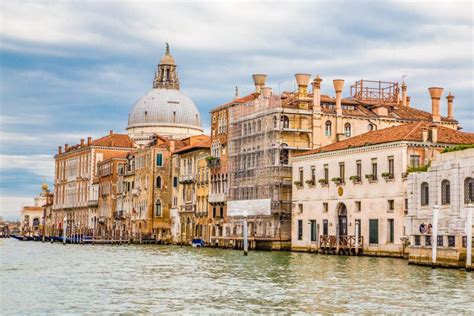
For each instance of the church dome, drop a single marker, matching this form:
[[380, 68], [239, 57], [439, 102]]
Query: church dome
[[164, 107], [164, 110]]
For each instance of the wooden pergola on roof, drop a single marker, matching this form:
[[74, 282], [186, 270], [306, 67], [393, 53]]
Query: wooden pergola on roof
[[375, 91]]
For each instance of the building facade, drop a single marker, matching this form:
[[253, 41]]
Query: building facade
[[449, 185], [362, 182]]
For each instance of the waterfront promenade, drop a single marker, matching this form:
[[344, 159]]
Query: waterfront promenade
[[157, 279]]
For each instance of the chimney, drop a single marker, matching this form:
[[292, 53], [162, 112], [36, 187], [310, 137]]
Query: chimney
[[424, 133], [259, 81], [89, 141], [317, 93], [60, 150], [82, 142], [435, 93], [338, 85], [434, 133], [404, 94], [66, 147], [111, 132], [408, 101], [267, 92], [450, 98], [302, 80]]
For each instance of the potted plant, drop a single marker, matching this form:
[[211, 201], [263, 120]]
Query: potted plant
[[337, 180], [310, 182], [370, 177], [297, 183], [323, 181], [354, 178], [387, 175]]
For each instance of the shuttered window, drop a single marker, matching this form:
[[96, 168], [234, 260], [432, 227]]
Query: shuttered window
[[373, 231], [313, 230], [159, 160]]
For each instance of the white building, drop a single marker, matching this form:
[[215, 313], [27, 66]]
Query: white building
[[362, 180], [449, 185]]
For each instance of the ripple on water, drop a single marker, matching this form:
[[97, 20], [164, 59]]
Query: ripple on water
[[158, 279]]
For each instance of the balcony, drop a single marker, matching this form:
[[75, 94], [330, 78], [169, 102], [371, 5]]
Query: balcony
[[213, 162], [187, 178], [216, 198], [119, 215]]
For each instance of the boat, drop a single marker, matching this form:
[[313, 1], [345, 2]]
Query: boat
[[18, 237], [197, 242]]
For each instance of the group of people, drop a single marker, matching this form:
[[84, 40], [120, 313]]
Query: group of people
[[425, 229]]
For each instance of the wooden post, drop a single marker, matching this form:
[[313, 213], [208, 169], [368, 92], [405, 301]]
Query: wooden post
[[356, 237], [245, 233], [434, 236], [470, 206], [337, 238]]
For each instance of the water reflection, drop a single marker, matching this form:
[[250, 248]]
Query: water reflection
[[44, 278]]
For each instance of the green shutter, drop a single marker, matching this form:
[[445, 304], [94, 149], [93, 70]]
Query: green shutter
[[373, 231], [159, 159]]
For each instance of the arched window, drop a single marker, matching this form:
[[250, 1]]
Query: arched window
[[275, 122], [36, 221], [158, 208], [347, 130], [445, 192], [425, 195], [285, 121], [158, 182], [328, 128], [370, 127], [259, 125], [469, 190]]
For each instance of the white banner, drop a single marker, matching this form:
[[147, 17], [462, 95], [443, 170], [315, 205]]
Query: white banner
[[249, 207]]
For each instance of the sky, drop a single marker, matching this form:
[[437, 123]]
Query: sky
[[74, 69]]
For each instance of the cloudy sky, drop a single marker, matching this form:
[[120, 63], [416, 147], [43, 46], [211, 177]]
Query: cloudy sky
[[74, 69]]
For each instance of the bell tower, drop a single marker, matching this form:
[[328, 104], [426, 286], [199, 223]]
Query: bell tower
[[166, 76]]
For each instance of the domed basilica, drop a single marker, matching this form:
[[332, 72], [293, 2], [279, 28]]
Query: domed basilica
[[164, 110]]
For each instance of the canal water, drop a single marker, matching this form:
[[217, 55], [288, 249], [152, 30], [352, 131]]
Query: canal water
[[51, 278]]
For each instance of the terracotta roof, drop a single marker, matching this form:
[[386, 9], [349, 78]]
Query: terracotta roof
[[199, 145], [114, 140], [247, 98], [405, 132]]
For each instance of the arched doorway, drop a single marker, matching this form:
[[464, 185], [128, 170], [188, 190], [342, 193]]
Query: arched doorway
[[342, 219]]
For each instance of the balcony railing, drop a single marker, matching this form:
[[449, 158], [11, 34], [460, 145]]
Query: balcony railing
[[345, 242], [217, 198], [187, 178]]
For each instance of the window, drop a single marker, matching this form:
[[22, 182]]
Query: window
[[300, 208], [391, 205], [313, 174], [373, 231], [359, 169], [391, 167], [370, 127], [445, 192], [300, 229], [301, 175], [358, 206], [284, 156], [417, 240], [285, 121], [451, 241], [374, 169], [313, 230], [342, 171], [440, 241], [325, 227], [469, 190], [158, 182], [425, 194], [275, 122], [325, 207], [328, 128], [175, 182], [415, 161], [326, 173], [390, 229], [259, 125], [159, 159], [347, 130], [158, 208]]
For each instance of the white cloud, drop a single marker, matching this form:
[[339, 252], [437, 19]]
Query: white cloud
[[41, 165], [10, 206]]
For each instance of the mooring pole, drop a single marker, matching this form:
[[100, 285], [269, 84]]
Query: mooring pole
[[64, 229], [434, 236], [245, 233], [356, 237], [470, 206]]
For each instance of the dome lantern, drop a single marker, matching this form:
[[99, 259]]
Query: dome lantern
[[166, 75]]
